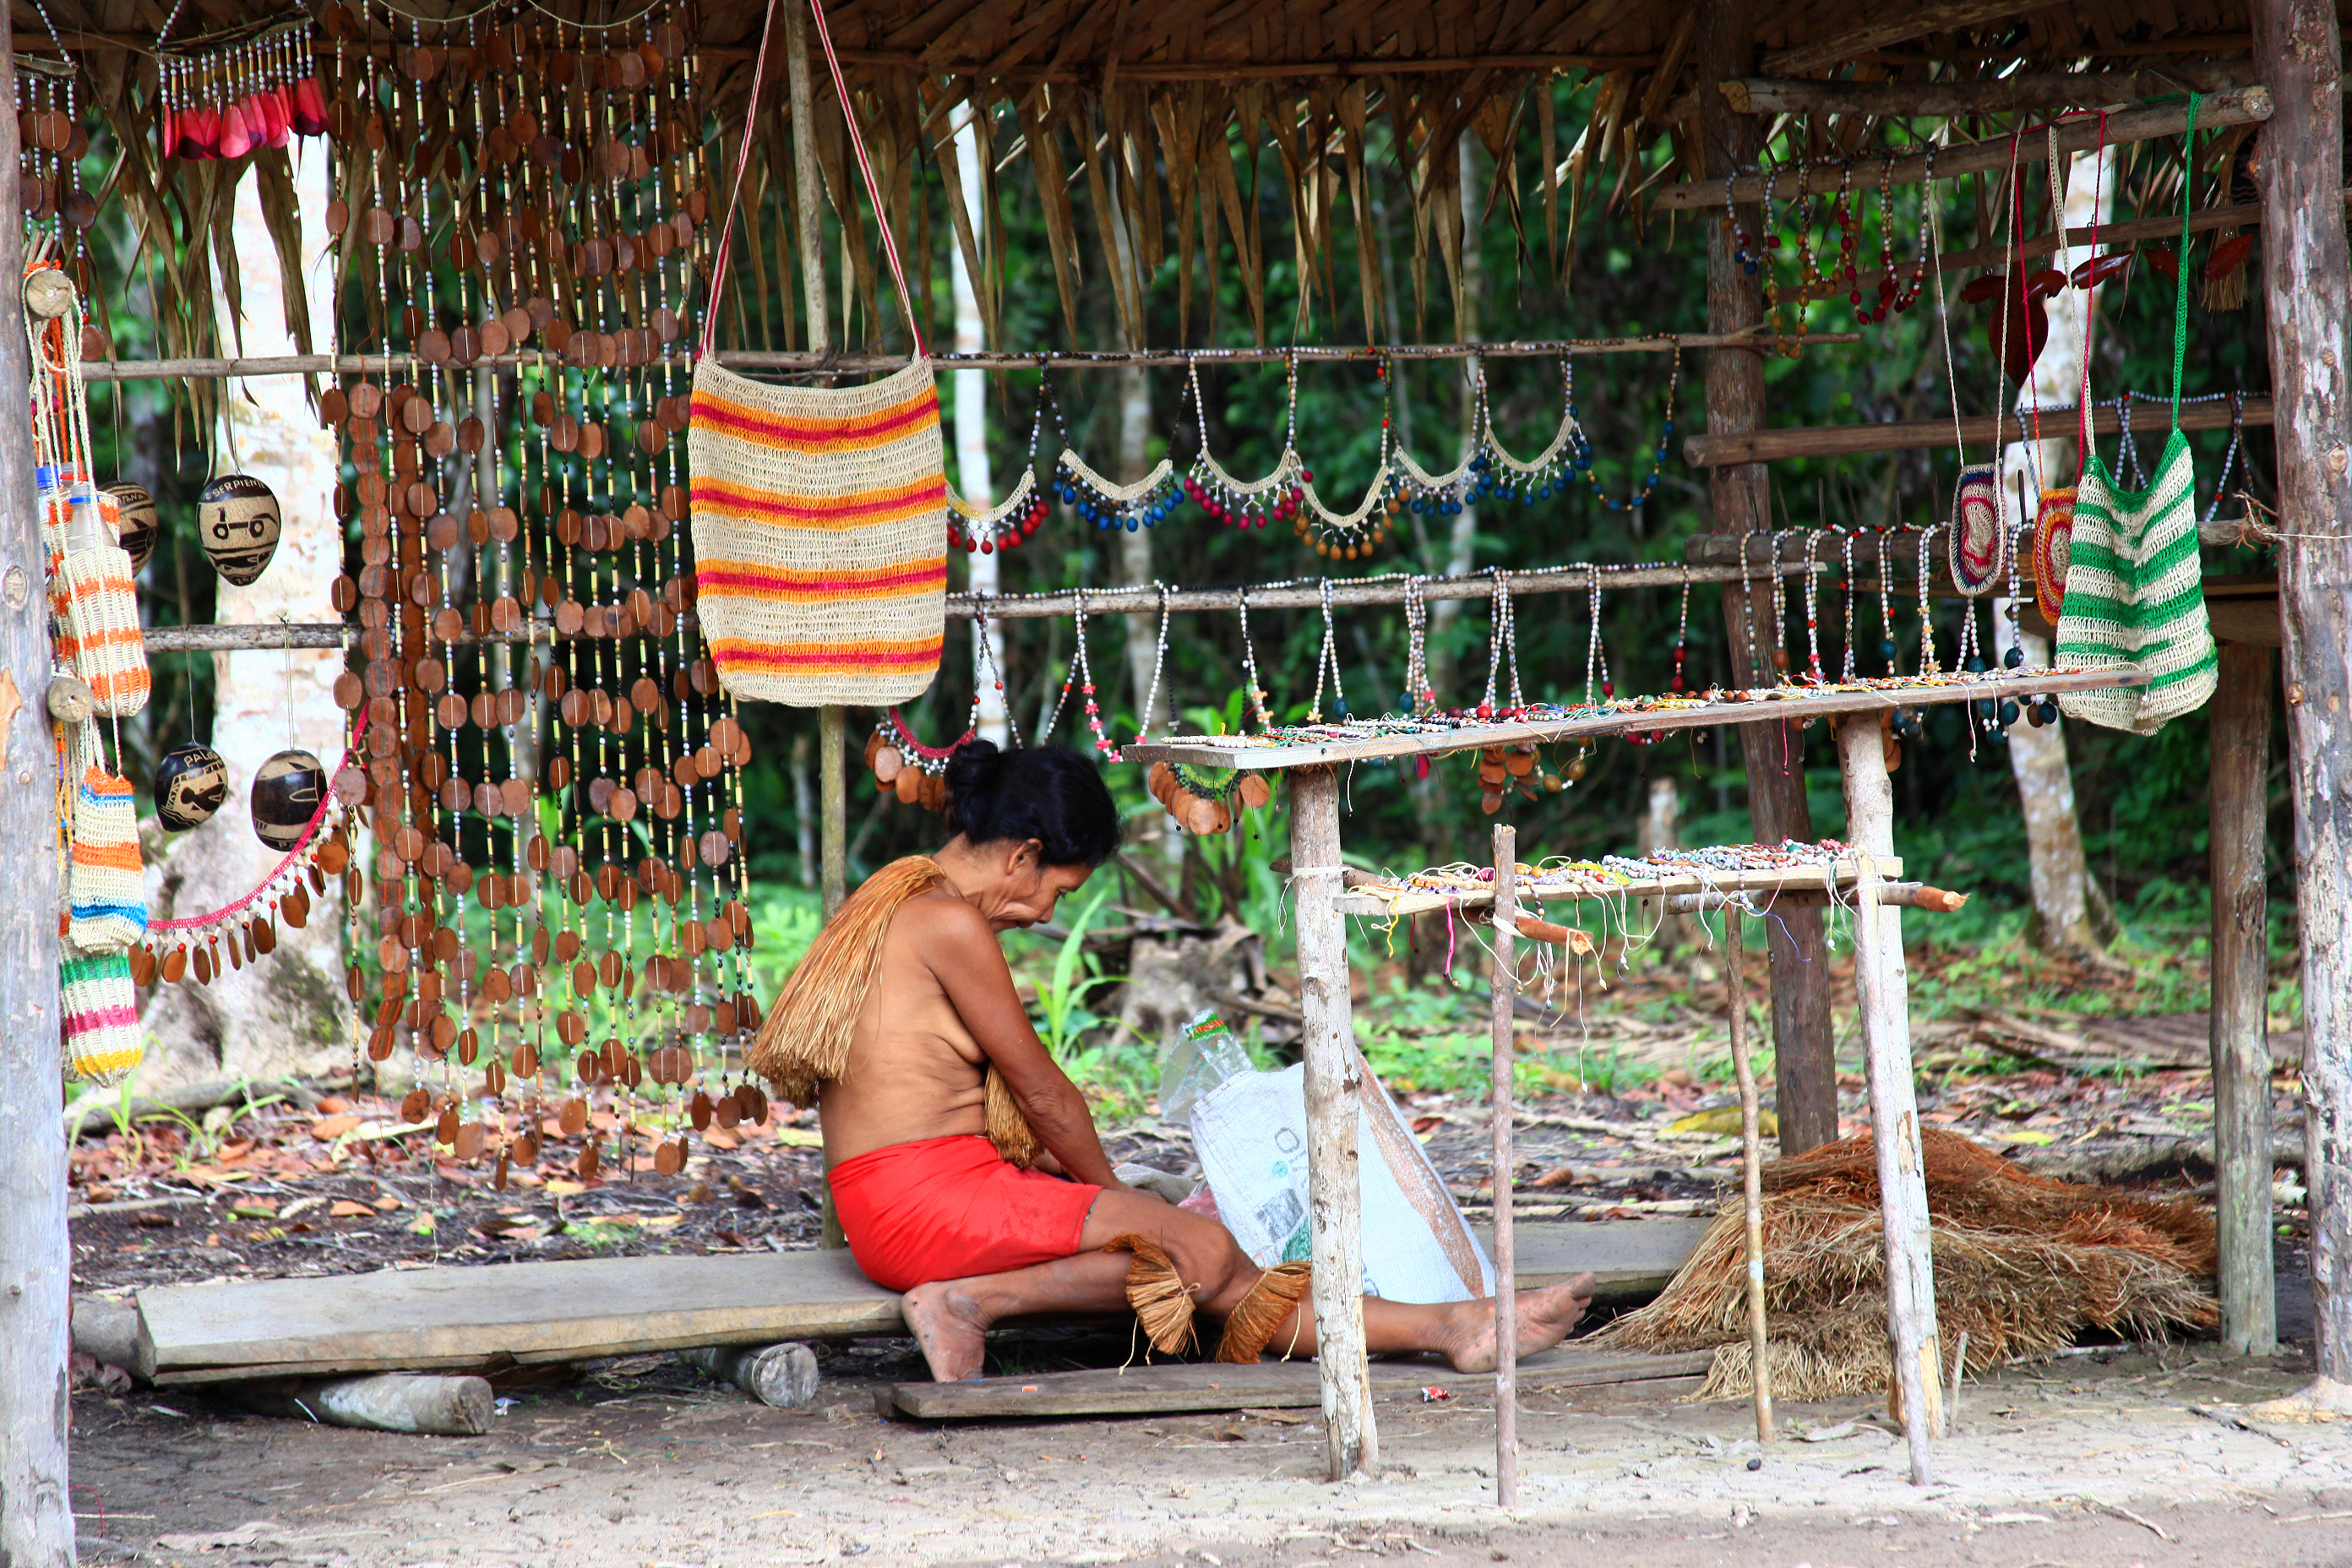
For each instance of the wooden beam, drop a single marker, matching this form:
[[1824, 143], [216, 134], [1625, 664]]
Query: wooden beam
[[2242, 106], [37, 1526], [2308, 277], [1198, 1387], [2237, 847], [1898, 24], [1503, 996], [1789, 705], [1987, 95], [1712, 450], [1883, 990], [1334, 1205]]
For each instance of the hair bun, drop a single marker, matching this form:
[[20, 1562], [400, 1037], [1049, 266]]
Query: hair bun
[[1050, 793]]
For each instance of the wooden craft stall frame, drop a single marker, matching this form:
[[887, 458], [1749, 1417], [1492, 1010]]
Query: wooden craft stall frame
[[2296, 58], [1317, 883]]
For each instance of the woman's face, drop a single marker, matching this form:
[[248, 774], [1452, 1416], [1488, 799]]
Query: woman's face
[[1023, 889]]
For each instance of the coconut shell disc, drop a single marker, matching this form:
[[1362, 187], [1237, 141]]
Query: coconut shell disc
[[2054, 545], [1979, 543]]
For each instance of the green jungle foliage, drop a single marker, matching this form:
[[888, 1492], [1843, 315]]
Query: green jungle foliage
[[2142, 801]]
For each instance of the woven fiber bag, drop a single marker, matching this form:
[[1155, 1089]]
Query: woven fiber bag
[[819, 514], [2137, 597]]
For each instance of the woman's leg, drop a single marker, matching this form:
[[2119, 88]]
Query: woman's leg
[[951, 1318]]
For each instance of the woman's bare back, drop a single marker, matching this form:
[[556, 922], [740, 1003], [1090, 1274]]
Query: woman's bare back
[[915, 1069]]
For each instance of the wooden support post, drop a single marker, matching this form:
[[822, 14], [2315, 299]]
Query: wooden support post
[[1505, 988], [1884, 993], [1804, 1055], [1333, 1200], [1751, 1165], [2309, 275], [808, 220], [2241, 1050], [37, 1526]]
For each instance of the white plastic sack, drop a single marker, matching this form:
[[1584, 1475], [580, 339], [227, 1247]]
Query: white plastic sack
[[1250, 1133]]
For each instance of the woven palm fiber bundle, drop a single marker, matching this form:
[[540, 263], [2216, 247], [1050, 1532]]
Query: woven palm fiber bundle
[[2023, 1265]]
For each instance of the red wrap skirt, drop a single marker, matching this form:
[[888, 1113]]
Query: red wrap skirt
[[948, 1208]]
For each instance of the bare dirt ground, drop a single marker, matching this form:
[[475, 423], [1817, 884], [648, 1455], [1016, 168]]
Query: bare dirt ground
[[2114, 1456]]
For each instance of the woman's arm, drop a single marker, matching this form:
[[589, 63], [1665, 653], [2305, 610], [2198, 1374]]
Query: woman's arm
[[965, 957]]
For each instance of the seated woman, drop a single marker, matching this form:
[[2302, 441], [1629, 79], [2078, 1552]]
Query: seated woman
[[964, 1166]]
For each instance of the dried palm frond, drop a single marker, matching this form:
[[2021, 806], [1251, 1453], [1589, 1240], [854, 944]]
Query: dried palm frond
[[2022, 1264]]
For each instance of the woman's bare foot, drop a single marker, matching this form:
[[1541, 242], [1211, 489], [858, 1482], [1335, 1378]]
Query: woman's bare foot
[[950, 1325], [1545, 1317]]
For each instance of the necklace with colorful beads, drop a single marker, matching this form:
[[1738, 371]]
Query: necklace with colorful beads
[[1580, 458], [986, 530]]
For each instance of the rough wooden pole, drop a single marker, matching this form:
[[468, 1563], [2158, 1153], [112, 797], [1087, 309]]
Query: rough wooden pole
[[36, 1528], [1752, 1164], [1333, 1200], [1506, 992], [1883, 991], [2309, 275], [1804, 1064], [2242, 1049]]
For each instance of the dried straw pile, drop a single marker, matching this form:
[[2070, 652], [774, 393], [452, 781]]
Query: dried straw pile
[[2023, 1264]]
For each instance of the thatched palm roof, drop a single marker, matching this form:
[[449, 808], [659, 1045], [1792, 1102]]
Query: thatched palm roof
[[1151, 119]]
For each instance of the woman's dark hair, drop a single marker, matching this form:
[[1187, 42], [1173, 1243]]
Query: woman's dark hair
[[1047, 793]]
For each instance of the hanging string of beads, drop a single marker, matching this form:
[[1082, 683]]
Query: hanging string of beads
[[1009, 522], [1892, 296], [1596, 656], [1682, 631], [1327, 658], [1418, 698], [1249, 668], [1502, 652], [1581, 457]]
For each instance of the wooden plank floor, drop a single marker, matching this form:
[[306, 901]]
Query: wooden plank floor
[[502, 1314], [1204, 1387]]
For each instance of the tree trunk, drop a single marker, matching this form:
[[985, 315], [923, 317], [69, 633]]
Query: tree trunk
[[2060, 871], [290, 1014], [1461, 540], [1804, 1060], [2309, 278], [974, 479], [36, 1525]]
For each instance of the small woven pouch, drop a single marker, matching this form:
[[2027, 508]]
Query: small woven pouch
[[105, 881]]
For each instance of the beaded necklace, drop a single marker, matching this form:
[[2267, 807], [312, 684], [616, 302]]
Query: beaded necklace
[[990, 673], [1107, 503], [1159, 660], [1596, 656], [1847, 538], [1892, 296], [1580, 457], [1011, 522], [1249, 668], [1812, 617], [1327, 658], [1417, 698], [1502, 650], [1682, 629]]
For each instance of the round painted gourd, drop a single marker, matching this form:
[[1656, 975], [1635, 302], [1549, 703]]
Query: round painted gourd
[[287, 791], [191, 781], [240, 520]]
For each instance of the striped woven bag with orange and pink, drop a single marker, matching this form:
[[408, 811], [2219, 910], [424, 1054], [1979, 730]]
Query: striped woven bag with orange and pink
[[819, 514]]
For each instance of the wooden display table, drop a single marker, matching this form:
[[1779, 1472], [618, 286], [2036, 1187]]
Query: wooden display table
[[1312, 757]]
